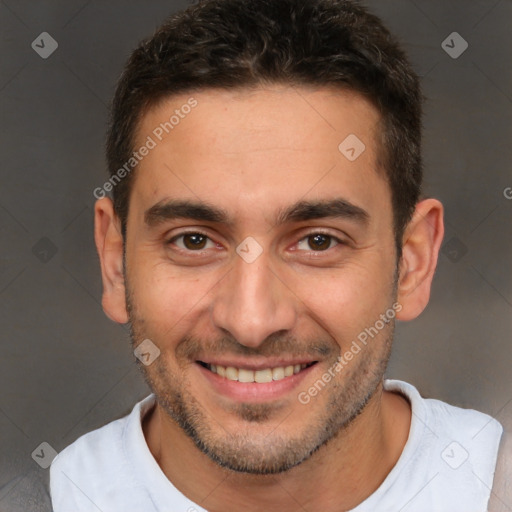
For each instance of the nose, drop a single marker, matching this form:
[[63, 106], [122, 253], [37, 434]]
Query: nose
[[252, 302]]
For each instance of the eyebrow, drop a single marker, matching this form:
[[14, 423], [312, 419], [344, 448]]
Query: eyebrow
[[173, 209], [184, 209], [333, 208]]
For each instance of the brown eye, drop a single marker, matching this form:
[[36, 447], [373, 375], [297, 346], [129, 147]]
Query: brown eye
[[318, 242], [192, 241]]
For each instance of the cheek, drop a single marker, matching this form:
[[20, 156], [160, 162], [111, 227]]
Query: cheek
[[166, 296], [346, 300]]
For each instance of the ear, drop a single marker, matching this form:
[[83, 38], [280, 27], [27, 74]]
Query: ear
[[109, 243], [420, 248]]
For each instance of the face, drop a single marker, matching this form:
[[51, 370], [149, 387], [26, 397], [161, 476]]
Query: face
[[257, 253]]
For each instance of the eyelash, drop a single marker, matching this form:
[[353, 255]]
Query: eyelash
[[313, 233]]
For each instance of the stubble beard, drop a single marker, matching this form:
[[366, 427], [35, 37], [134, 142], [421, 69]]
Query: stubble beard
[[243, 450]]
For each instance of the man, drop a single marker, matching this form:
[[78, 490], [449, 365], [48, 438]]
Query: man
[[265, 232]]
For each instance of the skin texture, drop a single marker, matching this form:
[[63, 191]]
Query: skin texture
[[253, 153]]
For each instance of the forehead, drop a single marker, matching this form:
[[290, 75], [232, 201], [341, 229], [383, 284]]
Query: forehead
[[264, 148]]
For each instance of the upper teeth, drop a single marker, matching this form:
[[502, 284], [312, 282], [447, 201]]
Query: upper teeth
[[261, 376]]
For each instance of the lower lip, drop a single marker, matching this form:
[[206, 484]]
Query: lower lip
[[254, 391]]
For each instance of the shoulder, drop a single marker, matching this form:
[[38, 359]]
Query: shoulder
[[98, 448], [455, 450], [94, 462], [447, 421]]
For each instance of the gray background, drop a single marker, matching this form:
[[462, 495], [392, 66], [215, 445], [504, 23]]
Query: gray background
[[66, 369]]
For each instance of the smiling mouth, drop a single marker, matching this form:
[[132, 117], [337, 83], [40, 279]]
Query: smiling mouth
[[257, 376]]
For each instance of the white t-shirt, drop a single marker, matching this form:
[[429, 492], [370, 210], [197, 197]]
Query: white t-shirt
[[447, 465]]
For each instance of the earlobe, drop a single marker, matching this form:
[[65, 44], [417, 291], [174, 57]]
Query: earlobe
[[421, 243], [109, 244]]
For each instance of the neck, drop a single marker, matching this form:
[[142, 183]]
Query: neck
[[339, 476]]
